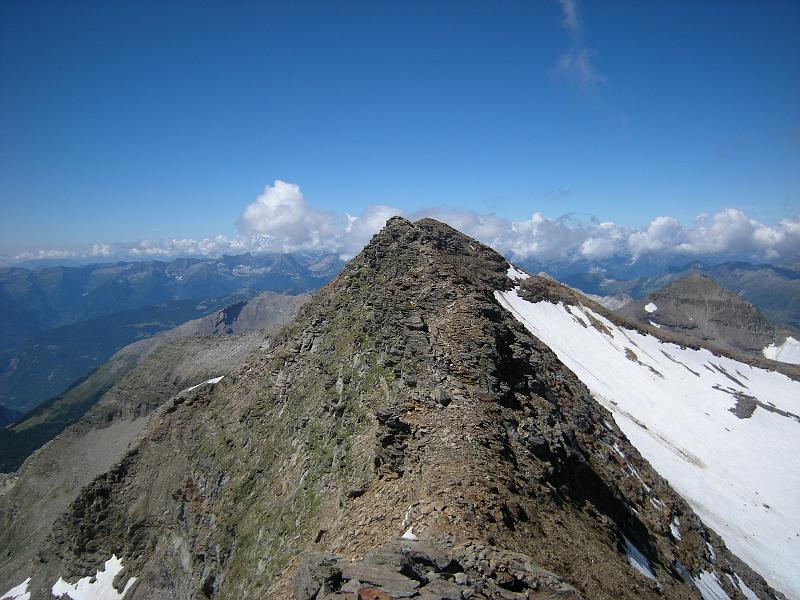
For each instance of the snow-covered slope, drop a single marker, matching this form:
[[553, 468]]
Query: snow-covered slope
[[725, 434], [788, 351], [99, 587]]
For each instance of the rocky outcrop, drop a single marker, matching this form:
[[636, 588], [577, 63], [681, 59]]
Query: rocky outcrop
[[429, 570]]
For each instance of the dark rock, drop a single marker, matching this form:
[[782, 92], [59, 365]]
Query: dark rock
[[317, 574], [441, 396]]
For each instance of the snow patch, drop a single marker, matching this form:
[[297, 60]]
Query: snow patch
[[709, 586], [617, 450], [99, 587], [748, 593], [18, 593], [213, 381], [407, 516], [515, 274], [787, 352], [409, 534], [651, 308], [675, 528], [711, 552], [638, 560], [674, 405], [656, 325]]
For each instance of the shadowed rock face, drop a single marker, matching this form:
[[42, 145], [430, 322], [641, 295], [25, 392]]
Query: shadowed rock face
[[697, 307], [403, 400]]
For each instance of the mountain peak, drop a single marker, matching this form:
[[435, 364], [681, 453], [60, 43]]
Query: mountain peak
[[697, 307], [427, 250]]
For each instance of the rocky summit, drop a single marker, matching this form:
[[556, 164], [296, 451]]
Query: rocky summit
[[695, 306], [405, 436]]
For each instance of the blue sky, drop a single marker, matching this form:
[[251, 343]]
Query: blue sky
[[124, 121]]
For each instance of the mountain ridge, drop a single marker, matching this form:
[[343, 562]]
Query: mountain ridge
[[401, 398]]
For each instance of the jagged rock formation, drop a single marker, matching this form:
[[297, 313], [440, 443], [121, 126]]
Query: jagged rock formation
[[403, 398], [122, 394], [700, 309]]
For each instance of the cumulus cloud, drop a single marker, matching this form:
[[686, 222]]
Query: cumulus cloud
[[731, 228], [281, 220], [358, 230], [282, 214], [45, 254], [663, 234], [597, 248]]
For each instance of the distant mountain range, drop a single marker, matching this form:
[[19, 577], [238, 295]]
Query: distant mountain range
[[8, 415], [51, 361], [774, 290], [33, 301], [59, 323]]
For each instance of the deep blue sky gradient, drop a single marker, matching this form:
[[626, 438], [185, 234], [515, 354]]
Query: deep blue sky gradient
[[122, 120]]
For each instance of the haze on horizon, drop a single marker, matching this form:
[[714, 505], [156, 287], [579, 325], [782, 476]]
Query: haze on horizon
[[550, 130]]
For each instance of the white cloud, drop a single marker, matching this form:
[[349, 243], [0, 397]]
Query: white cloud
[[359, 230], [663, 234], [597, 248], [101, 250], [731, 228], [490, 229], [44, 254], [280, 220], [576, 65], [282, 214], [571, 21]]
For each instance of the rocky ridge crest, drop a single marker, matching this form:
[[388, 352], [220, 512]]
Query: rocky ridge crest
[[402, 398]]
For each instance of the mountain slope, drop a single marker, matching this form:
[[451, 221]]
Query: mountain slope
[[49, 419], [59, 323], [714, 426], [697, 307], [52, 361], [157, 369], [8, 416], [403, 400]]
